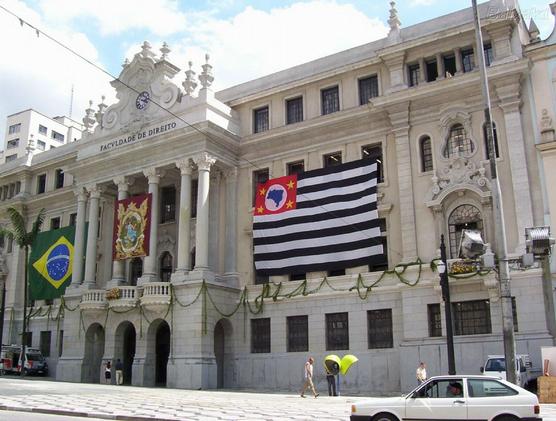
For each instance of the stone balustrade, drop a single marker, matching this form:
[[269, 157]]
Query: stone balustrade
[[128, 297], [156, 296], [93, 300]]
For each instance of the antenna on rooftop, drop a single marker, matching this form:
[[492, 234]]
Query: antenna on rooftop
[[71, 102]]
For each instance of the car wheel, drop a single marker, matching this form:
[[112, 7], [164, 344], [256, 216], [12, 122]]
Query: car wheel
[[385, 417], [506, 418]]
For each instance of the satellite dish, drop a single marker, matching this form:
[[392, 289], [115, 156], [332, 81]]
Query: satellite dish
[[471, 244]]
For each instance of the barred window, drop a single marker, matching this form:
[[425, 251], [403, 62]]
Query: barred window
[[330, 99], [374, 152], [260, 120], [298, 333], [426, 153], [167, 204], [46, 336], [295, 167], [368, 88], [462, 217], [486, 138], [458, 142], [435, 320], [259, 177], [468, 60], [414, 71], [337, 331], [294, 110], [379, 329], [471, 317], [260, 336]]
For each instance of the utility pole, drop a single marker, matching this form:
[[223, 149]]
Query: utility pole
[[444, 284], [499, 225]]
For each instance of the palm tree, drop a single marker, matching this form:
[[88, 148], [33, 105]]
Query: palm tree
[[18, 233]]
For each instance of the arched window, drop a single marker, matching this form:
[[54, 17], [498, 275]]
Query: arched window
[[425, 147], [136, 270], [458, 142], [462, 217], [487, 143], [165, 267]]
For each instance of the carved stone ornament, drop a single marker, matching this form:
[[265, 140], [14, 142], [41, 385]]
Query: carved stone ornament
[[166, 242], [204, 161], [450, 118]]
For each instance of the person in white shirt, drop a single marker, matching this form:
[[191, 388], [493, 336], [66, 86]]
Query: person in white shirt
[[308, 373], [421, 373]]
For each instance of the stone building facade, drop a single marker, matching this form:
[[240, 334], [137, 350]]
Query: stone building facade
[[193, 313]]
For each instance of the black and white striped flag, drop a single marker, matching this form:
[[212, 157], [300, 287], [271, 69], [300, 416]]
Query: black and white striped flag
[[319, 220]]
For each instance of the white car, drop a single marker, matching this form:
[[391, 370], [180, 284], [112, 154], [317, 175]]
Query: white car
[[453, 398]]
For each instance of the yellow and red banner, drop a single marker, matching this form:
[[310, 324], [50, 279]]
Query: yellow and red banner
[[132, 227]]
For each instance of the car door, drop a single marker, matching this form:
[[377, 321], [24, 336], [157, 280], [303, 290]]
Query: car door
[[487, 397], [435, 401]]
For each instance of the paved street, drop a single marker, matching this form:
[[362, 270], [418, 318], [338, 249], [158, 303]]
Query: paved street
[[113, 402]]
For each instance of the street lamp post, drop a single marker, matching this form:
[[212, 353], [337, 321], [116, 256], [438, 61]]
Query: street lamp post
[[442, 270]]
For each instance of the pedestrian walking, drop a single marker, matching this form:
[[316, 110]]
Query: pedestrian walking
[[308, 373], [421, 373], [107, 372], [331, 378], [119, 372]]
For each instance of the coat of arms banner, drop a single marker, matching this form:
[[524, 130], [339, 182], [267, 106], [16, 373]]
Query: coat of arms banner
[[132, 227]]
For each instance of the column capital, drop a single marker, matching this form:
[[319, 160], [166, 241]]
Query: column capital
[[153, 174], [94, 190], [204, 161], [184, 166], [230, 174], [81, 194], [123, 182]]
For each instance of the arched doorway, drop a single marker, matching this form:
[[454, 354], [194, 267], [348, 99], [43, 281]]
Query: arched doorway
[[222, 340], [463, 217], [136, 270], [94, 351], [125, 348], [162, 352]]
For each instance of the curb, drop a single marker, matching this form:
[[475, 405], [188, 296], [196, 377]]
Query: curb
[[83, 414]]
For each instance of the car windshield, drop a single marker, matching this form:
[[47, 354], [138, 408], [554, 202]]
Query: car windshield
[[34, 357], [496, 364]]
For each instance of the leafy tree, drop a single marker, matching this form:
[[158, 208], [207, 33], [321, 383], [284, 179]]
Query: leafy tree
[[18, 233]]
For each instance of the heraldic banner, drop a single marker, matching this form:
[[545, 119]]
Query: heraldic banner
[[132, 227], [51, 263]]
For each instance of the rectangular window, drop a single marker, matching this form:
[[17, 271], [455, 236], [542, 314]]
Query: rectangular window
[[294, 110], [259, 177], [41, 146], [298, 333], [379, 329], [432, 70], [41, 183], [59, 179], [194, 192], [11, 158], [514, 314], [368, 88], [15, 128], [471, 317], [73, 220], [330, 100], [332, 159], [414, 71], [260, 120], [14, 143], [57, 136], [295, 167], [449, 65], [374, 152], [435, 320], [337, 331], [55, 223], [468, 60], [260, 336], [489, 54], [46, 336], [28, 338], [60, 343], [168, 204], [42, 129]]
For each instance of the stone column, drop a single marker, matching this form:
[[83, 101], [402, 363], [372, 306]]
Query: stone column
[[204, 162], [79, 243], [118, 266], [508, 90], [399, 118], [92, 234], [440, 66], [459, 65], [149, 271], [423, 69], [439, 223], [230, 262], [214, 220], [184, 222]]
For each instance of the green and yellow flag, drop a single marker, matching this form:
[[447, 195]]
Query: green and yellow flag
[[50, 263]]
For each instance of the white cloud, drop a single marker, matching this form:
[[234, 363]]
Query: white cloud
[[422, 2], [37, 73], [161, 17]]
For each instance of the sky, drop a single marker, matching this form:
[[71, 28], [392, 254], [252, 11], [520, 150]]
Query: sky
[[245, 40]]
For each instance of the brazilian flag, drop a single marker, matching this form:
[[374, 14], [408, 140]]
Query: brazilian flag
[[51, 263]]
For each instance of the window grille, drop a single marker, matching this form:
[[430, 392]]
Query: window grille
[[294, 110], [260, 120], [337, 331], [330, 100], [458, 142], [487, 143], [298, 333], [260, 336], [414, 73], [379, 329], [435, 320], [426, 154], [368, 88], [168, 204], [462, 217], [471, 317], [468, 60]]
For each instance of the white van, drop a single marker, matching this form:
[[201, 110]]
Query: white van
[[495, 366]]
